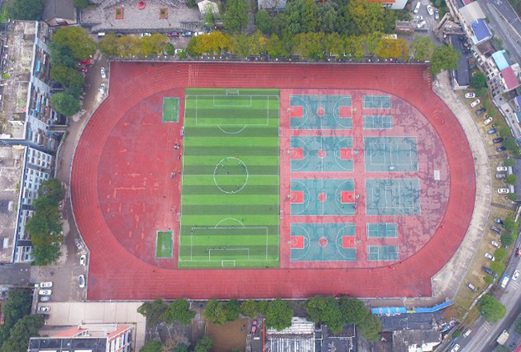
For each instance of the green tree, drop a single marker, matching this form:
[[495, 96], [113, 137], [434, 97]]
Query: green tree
[[491, 309], [153, 311], [109, 45], [309, 45], [169, 49], [355, 312], [422, 48], [507, 239], [65, 104], [26, 9], [69, 78], [279, 314], [52, 191], [511, 179], [325, 310], [370, 329], [367, 17], [444, 58], [77, 40], [215, 312], [249, 308], [180, 347], [16, 306], [500, 254], [153, 45], [263, 21], [61, 55], [21, 332], [509, 162], [518, 326], [302, 16], [178, 311], [497, 267], [151, 346], [276, 47], [478, 80], [204, 344], [236, 15], [232, 310], [327, 17], [482, 92], [81, 4]]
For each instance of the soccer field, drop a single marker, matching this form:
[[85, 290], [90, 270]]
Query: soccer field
[[230, 190]]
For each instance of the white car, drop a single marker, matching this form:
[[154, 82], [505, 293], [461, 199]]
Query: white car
[[103, 73], [45, 292], [470, 95], [83, 259], [489, 256], [81, 280], [502, 169], [417, 7], [515, 276], [495, 244], [488, 121], [475, 103], [421, 24], [44, 309], [503, 191], [430, 10], [455, 348], [46, 284]]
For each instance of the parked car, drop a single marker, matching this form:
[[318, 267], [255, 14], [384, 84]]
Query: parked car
[[78, 244], [489, 256], [495, 244], [502, 168], [500, 175], [44, 309], [417, 7], [480, 111], [503, 191], [186, 34], [103, 73], [467, 333], [81, 280], [421, 24], [254, 327], [488, 271], [436, 14], [471, 287], [455, 348], [488, 121], [430, 10], [492, 131], [45, 292], [496, 229], [44, 298], [497, 140], [46, 284], [470, 95], [83, 259], [501, 148], [499, 221], [475, 103], [515, 276]]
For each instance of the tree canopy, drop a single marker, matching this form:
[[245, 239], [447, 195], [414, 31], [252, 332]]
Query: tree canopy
[[77, 40], [204, 344], [153, 311], [491, 309], [422, 48], [151, 346], [21, 332], [478, 80], [69, 78], [279, 314], [445, 57], [325, 310], [355, 312], [65, 103], [17, 305], [26, 9], [178, 311], [236, 15]]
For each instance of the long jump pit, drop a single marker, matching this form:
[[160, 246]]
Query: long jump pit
[[227, 180]]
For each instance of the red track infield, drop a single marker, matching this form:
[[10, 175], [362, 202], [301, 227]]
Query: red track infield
[[123, 185]]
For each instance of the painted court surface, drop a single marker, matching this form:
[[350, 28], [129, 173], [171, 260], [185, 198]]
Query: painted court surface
[[257, 180]]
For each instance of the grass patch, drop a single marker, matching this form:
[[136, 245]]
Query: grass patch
[[170, 109], [164, 244]]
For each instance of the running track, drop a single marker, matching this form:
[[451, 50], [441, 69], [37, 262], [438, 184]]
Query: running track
[[104, 153]]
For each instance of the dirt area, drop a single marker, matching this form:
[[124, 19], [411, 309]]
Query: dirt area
[[228, 337]]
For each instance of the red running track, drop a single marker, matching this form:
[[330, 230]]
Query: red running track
[[122, 155]]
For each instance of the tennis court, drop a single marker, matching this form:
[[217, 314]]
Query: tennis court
[[390, 154], [392, 196], [383, 253], [164, 244], [382, 230], [378, 122], [327, 242], [230, 182], [170, 109], [377, 102], [320, 112], [319, 153]]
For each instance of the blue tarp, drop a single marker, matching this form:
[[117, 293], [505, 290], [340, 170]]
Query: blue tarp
[[481, 31], [38, 65], [500, 60], [435, 308], [389, 311]]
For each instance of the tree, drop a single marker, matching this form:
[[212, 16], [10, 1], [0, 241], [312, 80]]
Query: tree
[[279, 314], [69, 78], [215, 312], [368, 17], [65, 104], [511, 179], [370, 329], [178, 311], [17, 305], [500, 254], [355, 312], [232, 310], [77, 40], [204, 344], [327, 17], [151, 346], [491, 309], [518, 326], [309, 45], [276, 47], [81, 4], [26, 9], [236, 16], [263, 21], [422, 48], [249, 308], [497, 267], [153, 45], [169, 49], [61, 55], [507, 239], [153, 311], [109, 45], [181, 347], [445, 57], [325, 310], [392, 49], [21, 332], [302, 16], [478, 80]]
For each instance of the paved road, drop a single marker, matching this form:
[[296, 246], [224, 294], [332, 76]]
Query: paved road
[[500, 26]]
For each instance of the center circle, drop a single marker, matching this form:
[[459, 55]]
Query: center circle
[[321, 111], [322, 242], [230, 175]]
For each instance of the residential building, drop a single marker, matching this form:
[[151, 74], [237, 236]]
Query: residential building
[[59, 12], [392, 4], [510, 79], [88, 337], [474, 22], [415, 340], [460, 77], [500, 59], [30, 132], [207, 6]]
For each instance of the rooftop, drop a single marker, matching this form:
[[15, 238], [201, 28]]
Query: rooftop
[[59, 10], [20, 43], [299, 337], [510, 78], [500, 59], [271, 4], [480, 30], [404, 340], [517, 101], [11, 170], [208, 6], [462, 72], [472, 12]]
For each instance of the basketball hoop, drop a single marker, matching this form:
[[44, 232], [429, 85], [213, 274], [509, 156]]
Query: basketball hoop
[[141, 5]]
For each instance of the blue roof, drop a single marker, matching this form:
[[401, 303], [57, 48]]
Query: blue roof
[[500, 60], [518, 101], [518, 116], [480, 29]]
